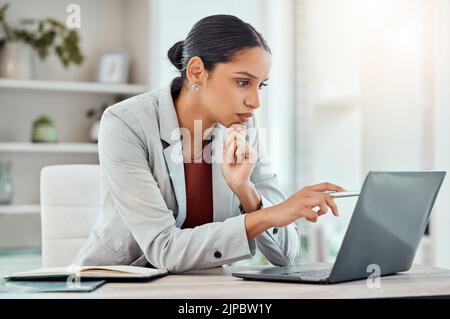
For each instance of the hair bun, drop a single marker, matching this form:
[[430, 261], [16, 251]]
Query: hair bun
[[175, 54]]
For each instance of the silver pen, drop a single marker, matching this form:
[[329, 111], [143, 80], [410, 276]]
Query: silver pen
[[335, 194]]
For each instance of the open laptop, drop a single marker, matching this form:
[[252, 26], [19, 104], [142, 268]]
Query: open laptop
[[388, 221]]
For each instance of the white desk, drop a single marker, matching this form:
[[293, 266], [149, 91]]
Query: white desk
[[420, 281]]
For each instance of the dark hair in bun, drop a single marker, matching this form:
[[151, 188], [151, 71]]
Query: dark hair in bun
[[215, 39], [175, 54]]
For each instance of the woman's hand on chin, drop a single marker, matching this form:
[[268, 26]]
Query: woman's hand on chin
[[238, 159]]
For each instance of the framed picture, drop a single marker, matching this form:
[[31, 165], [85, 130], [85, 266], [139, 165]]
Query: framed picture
[[113, 67]]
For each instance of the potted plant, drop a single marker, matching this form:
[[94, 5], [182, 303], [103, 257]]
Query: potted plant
[[43, 36], [44, 131]]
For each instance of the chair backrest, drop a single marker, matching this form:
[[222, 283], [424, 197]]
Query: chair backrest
[[70, 201]]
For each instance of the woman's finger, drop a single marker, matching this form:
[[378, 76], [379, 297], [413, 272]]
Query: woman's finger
[[332, 205], [233, 136], [326, 187], [311, 202], [230, 153], [237, 136], [240, 128], [242, 147], [311, 216], [323, 208], [240, 152], [251, 156], [323, 201]]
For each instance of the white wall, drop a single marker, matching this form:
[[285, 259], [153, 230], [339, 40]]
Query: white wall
[[329, 126], [328, 91], [441, 69], [393, 84], [278, 111]]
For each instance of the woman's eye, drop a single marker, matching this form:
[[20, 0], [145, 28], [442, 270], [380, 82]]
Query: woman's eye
[[243, 83]]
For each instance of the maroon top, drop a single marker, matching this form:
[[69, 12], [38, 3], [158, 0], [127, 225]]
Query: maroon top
[[199, 199], [198, 178]]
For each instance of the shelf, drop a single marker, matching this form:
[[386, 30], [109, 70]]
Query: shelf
[[20, 209], [49, 148], [67, 86]]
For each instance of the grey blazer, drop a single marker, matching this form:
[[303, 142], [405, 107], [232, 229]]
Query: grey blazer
[[143, 198]]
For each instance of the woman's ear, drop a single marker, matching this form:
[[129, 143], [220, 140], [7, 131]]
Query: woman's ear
[[195, 71]]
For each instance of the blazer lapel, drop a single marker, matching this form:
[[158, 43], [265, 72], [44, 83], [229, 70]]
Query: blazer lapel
[[174, 159], [170, 135]]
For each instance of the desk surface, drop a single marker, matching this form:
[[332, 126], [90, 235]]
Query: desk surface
[[420, 281]]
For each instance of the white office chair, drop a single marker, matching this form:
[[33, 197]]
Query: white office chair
[[70, 201]]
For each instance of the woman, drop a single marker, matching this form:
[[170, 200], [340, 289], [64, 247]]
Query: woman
[[185, 181]]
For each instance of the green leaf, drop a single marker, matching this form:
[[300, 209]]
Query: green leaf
[[42, 120], [49, 36]]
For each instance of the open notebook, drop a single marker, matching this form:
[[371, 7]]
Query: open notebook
[[90, 272]]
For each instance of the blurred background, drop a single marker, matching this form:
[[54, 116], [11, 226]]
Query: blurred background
[[356, 85]]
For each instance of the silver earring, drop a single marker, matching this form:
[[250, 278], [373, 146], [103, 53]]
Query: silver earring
[[195, 87]]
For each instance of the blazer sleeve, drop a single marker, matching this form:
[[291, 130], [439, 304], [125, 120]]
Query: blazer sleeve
[[280, 245], [134, 191]]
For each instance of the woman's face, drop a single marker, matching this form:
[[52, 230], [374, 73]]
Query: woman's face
[[232, 91]]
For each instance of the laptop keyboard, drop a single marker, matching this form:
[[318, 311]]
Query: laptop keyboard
[[317, 271]]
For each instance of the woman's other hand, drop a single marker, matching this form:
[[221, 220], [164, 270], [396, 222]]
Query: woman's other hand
[[302, 204]]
